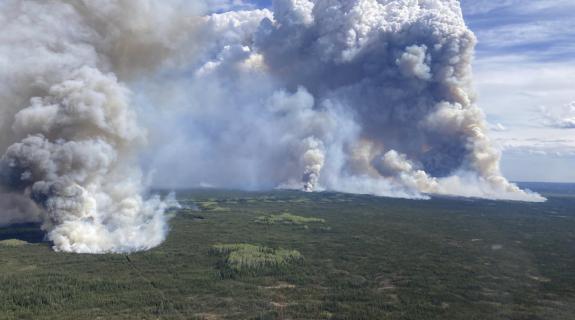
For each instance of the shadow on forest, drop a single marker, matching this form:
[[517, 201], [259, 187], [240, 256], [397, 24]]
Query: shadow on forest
[[29, 232]]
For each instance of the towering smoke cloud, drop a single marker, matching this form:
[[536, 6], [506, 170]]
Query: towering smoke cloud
[[370, 96], [365, 96], [69, 132]]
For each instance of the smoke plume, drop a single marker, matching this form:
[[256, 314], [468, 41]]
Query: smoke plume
[[363, 96], [69, 131], [368, 96]]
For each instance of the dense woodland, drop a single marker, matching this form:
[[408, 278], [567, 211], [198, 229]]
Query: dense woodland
[[295, 255]]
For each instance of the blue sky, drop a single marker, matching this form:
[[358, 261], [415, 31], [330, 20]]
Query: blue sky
[[525, 63], [524, 74]]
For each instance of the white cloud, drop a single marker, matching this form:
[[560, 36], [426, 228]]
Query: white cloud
[[538, 31], [478, 7], [537, 154], [551, 144], [545, 29], [511, 88], [511, 91], [229, 5], [497, 127], [473, 7], [559, 117]]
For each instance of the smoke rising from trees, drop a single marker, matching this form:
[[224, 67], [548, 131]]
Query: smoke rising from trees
[[363, 96]]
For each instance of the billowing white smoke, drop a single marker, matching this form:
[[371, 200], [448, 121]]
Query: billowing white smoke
[[370, 96], [366, 96], [69, 132]]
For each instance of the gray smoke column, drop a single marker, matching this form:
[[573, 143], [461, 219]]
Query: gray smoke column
[[69, 132], [366, 96], [403, 69]]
